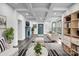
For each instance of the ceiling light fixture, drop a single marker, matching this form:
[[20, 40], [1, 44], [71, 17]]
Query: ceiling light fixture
[[27, 14], [55, 13], [40, 18]]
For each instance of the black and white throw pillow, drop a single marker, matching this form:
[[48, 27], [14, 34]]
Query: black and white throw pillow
[[1, 47]]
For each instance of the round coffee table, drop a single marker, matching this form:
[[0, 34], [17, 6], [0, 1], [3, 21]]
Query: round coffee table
[[31, 52]]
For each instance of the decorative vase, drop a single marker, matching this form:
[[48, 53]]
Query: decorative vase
[[78, 32], [78, 28], [68, 30], [10, 45], [37, 54], [68, 18], [67, 25]]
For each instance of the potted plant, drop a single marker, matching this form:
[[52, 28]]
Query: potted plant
[[38, 49], [9, 34], [33, 28]]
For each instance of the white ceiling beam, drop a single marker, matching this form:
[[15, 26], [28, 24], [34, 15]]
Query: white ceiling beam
[[30, 17], [59, 9], [31, 9], [49, 11], [40, 9], [22, 10], [53, 19]]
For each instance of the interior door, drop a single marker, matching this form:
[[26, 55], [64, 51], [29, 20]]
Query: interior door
[[27, 32], [40, 28]]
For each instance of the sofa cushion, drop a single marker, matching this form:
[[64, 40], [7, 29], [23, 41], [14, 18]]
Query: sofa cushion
[[0, 49], [10, 52], [1, 46]]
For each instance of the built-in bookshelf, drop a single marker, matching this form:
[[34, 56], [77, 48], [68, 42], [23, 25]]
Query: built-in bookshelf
[[71, 25], [67, 25], [71, 29]]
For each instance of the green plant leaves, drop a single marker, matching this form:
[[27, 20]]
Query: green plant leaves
[[38, 48], [9, 33]]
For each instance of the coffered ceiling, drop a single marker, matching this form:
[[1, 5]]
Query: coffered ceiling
[[41, 11]]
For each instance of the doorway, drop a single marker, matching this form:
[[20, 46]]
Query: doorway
[[27, 30], [40, 28]]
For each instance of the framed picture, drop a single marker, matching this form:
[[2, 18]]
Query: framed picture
[[3, 21]]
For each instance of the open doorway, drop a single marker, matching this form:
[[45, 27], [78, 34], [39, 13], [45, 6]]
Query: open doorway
[[27, 30]]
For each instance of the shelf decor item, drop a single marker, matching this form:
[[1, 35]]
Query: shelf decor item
[[68, 30], [77, 15], [38, 49], [68, 18], [67, 25], [78, 24], [78, 32], [9, 34], [33, 28]]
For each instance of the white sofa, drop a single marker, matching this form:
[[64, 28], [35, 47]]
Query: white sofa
[[52, 36], [10, 52], [6, 49]]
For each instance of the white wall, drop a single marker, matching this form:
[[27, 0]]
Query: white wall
[[19, 30], [47, 26], [12, 20], [22, 27], [10, 14]]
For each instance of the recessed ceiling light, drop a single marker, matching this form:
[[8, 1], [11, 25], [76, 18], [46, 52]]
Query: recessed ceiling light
[[40, 18], [27, 14], [55, 13]]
